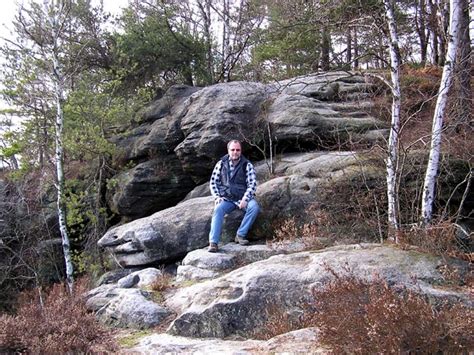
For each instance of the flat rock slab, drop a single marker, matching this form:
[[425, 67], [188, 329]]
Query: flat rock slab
[[302, 341], [201, 265]]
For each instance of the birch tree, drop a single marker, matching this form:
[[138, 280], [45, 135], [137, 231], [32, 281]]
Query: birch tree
[[47, 32], [440, 109], [392, 159], [56, 14]]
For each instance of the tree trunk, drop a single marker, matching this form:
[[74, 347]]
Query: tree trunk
[[446, 81], [463, 72], [420, 21], [325, 49], [205, 9], [356, 49], [392, 159], [349, 47], [443, 24], [434, 31], [59, 92]]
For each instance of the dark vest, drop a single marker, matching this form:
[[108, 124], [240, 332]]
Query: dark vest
[[233, 187]]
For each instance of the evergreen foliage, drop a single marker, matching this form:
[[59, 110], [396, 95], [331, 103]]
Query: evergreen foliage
[[111, 72]]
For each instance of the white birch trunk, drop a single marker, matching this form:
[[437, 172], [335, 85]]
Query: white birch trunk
[[58, 91], [392, 159], [445, 85]]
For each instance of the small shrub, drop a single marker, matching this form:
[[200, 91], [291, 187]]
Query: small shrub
[[368, 317], [314, 234], [438, 238], [357, 316], [62, 325], [162, 282]]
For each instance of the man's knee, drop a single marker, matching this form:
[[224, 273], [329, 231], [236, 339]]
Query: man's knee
[[219, 208], [253, 206], [223, 208]]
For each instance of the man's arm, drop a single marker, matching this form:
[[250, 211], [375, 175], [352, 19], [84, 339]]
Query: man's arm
[[216, 180], [251, 183]]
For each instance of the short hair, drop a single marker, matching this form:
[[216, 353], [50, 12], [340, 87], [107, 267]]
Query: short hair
[[234, 141]]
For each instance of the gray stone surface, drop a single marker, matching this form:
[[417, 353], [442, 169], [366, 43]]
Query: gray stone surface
[[238, 302], [141, 279], [172, 233], [304, 341], [178, 138], [201, 265], [163, 236], [125, 307], [149, 187]]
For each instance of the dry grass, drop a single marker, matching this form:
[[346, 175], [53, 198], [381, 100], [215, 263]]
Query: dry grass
[[61, 326], [356, 316], [438, 238], [162, 282], [360, 317], [314, 234]]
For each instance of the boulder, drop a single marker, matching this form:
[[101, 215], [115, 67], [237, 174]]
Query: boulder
[[166, 235], [141, 279], [125, 307], [155, 130], [300, 119], [238, 302], [215, 115], [324, 109], [200, 264], [149, 187]]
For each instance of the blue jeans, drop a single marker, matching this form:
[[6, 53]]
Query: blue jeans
[[226, 207]]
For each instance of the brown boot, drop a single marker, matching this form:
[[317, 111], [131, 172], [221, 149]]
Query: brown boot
[[241, 240], [212, 248]]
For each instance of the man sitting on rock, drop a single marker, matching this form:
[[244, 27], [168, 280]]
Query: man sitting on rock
[[233, 184]]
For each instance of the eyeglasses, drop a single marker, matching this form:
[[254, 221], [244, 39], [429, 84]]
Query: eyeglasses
[[234, 150]]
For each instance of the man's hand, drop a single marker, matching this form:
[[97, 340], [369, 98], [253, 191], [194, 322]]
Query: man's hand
[[243, 204]]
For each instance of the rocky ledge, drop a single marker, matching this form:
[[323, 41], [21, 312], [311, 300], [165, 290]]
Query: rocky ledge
[[222, 310]]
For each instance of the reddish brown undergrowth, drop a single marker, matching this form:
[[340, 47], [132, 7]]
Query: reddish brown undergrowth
[[439, 238], [358, 316], [61, 326], [369, 317]]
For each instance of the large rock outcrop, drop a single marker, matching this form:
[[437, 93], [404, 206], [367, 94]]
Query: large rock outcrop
[[239, 302], [171, 233], [171, 152], [187, 130]]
